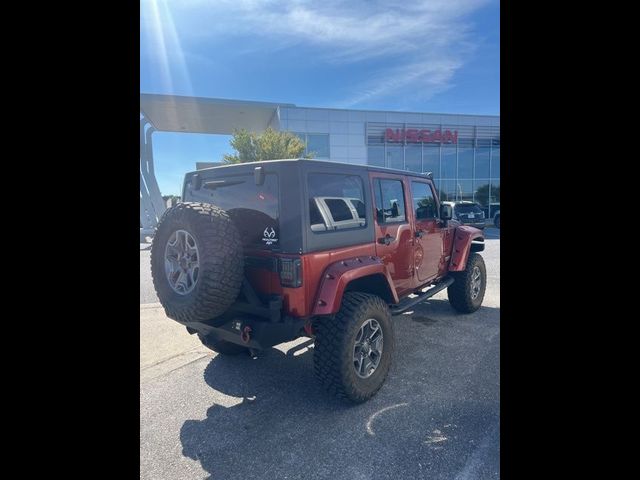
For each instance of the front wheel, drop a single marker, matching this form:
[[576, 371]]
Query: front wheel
[[353, 349], [467, 291]]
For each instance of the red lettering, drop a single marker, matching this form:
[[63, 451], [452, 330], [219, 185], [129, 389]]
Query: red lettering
[[448, 137], [412, 135]]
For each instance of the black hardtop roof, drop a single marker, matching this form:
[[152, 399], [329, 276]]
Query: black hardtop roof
[[325, 163]]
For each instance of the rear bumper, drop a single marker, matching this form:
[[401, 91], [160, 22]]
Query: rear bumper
[[251, 323], [250, 331]]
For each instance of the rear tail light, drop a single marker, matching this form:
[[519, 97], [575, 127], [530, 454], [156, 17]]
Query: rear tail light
[[290, 270]]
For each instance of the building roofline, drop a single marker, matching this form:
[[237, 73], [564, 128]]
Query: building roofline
[[253, 103], [397, 111]]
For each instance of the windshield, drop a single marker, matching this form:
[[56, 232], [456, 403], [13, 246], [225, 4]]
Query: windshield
[[468, 208]]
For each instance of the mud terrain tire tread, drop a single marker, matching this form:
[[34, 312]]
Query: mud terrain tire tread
[[333, 349], [221, 262], [460, 290]]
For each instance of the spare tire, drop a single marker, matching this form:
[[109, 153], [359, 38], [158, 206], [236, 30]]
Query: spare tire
[[197, 262]]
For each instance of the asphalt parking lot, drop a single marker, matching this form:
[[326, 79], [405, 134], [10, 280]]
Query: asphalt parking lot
[[437, 417]]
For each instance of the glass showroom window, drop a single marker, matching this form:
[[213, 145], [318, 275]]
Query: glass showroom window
[[465, 158], [495, 161], [413, 158], [481, 191], [494, 192], [483, 154], [376, 156], [447, 190], [431, 159], [316, 143], [448, 161], [464, 190], [395, 157]]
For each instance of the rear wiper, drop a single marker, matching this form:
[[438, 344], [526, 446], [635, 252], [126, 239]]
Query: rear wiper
[[213, 184]]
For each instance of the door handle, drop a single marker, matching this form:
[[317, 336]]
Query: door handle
[[420, 233], [386, 240]]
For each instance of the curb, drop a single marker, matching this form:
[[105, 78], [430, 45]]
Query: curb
[[147, 306]]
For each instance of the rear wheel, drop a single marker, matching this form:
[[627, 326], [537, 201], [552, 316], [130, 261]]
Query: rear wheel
[[467, 291], [353, 349]]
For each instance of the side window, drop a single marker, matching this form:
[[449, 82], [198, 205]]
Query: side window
[[390, 207], [336, 202], [424, 205], [339, 209]]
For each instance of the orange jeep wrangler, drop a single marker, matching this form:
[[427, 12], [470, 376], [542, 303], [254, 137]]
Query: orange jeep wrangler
[[262, 253]]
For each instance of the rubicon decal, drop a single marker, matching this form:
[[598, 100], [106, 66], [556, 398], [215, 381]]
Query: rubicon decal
[[413, 135], [269, 236]]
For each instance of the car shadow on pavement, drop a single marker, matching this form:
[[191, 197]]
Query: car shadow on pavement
[[437, 414]]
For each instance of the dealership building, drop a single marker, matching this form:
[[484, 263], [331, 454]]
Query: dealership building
[[461, 151]]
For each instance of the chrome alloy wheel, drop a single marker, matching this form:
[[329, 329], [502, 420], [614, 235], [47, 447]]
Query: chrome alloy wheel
[[367, 350], [181, 262]]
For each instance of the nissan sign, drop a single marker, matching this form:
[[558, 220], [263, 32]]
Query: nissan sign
[[412, 135]]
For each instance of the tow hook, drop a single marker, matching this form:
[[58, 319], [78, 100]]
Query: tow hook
[[245, 336]]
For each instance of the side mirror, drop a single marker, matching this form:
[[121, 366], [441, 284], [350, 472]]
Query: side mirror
[[446, 212], [395, 211]]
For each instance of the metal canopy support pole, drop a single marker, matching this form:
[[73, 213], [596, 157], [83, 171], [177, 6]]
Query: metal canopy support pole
[[151, 204]]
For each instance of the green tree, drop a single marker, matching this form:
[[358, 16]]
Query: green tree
[[270, 145]]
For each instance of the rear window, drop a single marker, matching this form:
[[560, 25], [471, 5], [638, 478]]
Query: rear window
[[468, 208], [336, 202], [253, 208]]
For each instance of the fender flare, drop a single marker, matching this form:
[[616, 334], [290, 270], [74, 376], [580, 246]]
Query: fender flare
[[337, 277], [463, 236]]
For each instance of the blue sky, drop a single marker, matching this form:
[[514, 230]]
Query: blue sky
[[423, 56]]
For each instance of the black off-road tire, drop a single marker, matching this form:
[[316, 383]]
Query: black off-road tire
[[220, 257], [460, 291], [333, 352], [222, 346]]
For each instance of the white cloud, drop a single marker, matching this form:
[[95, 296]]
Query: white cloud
[[425, 41]]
